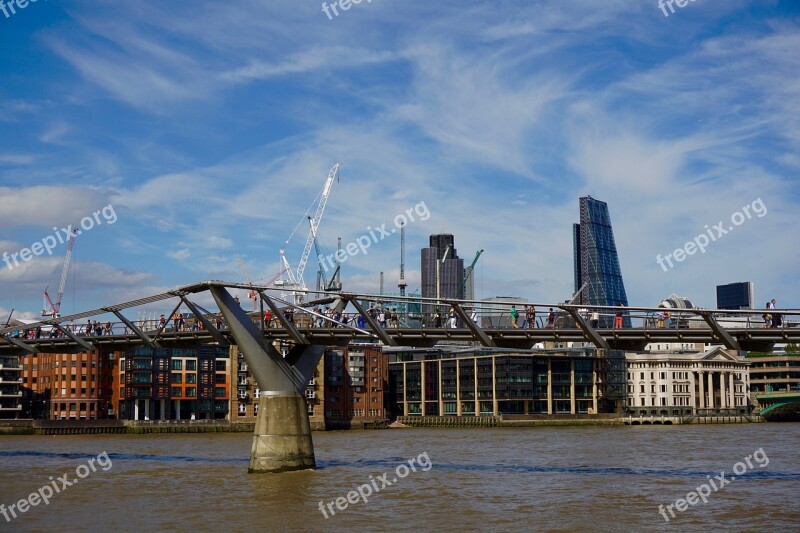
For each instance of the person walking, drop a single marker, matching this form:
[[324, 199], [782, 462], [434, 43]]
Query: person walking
[[776, 318], [618, 317], [595, 320], [530, 317], [514, 315], [551, 318]]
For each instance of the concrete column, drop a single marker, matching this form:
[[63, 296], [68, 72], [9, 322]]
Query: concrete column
[[422, 386], [572, 386], [458, 388], [495, 407], [549, 386], [692, 397], [594, 385], [282, 437], [701, 404], [441, 399], [710, 389], [405, 390], [475, 386], [731, 391], [723, 397]]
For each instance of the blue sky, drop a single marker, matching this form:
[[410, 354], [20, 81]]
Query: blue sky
[[210, 128]]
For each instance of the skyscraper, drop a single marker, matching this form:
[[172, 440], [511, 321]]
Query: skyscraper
[[735, 296], [441, 251], [595, 259]]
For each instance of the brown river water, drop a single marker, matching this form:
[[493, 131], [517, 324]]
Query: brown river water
[[529, 479]]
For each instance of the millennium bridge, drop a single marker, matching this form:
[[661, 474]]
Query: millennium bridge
[[282, 437]]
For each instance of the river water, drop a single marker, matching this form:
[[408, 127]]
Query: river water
[[531, 479]]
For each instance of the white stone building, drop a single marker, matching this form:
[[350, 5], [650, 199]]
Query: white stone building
[[679, 384]]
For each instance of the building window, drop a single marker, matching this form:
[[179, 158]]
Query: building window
[[221, 365], [191, 364], [191, 392], [177, 364], [176, 391], [175, 377], [221, 378], [191, 378], [219, 392]]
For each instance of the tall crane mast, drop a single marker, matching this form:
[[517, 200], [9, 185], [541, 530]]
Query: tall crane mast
[[468, 274], [54, 309], [326, 191], [402, 283]]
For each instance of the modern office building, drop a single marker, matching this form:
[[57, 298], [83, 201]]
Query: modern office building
[[774, 373], [680, 384], [596, 262], [735, 296], [175, 383], [442, 271], [10, 387], [481, 382], [73, 386]]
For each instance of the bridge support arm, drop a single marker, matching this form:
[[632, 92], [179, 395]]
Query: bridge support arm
[[135, 329], [376, 328], [293, 332], [473, 327], [727, 338], [19, 344], [206, 323], [598, 340], [89, 347]]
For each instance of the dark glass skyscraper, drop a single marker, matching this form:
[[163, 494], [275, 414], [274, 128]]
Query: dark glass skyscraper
[[451, 270], [735, 296], [595, 259]]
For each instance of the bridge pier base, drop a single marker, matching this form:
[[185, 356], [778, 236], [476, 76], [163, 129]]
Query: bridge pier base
[[282, 437]]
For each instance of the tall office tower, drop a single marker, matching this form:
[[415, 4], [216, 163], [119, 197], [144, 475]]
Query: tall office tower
[[443, 255], [595, 260], [735, 296]]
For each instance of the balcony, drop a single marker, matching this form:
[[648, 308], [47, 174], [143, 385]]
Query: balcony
[[4, 394], [15, 408], [14, 368], [10, 381]]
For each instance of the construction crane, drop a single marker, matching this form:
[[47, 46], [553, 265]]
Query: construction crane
[[54, 309], [252, 294], [402, 283], [295, 278], [9, 318], [322, 282], [468, 274], [578, 293]]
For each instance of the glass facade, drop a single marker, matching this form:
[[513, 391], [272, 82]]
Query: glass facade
[[596, 261]]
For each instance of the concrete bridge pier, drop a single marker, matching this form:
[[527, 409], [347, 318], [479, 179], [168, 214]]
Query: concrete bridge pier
[[282, 437]]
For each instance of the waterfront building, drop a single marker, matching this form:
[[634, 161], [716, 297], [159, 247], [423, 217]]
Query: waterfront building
[[441, 257], [175, 383], [678, 384], [72, 386], [774, 372], [595, 260], [347, 391], [483, 382], [10, 384], [736, 296]]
